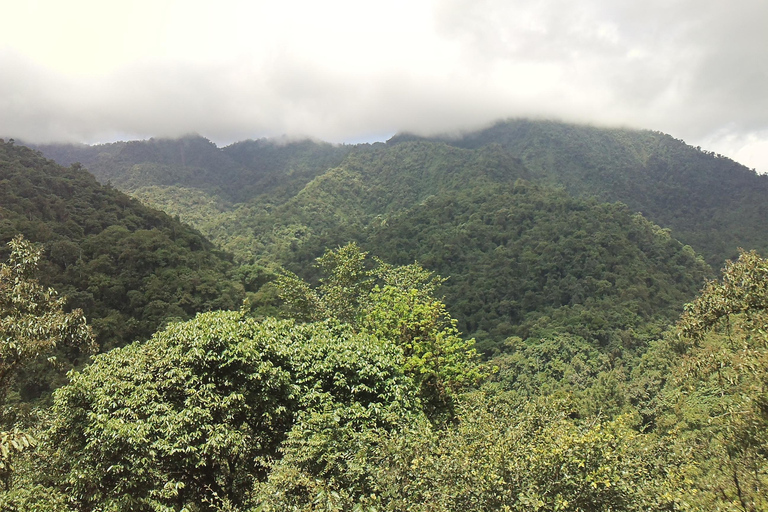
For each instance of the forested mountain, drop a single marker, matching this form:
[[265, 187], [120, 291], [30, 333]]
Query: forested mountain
[[237, 173], [519, 256], [129, 267], [522, 257], [709, 201], [550, 367]]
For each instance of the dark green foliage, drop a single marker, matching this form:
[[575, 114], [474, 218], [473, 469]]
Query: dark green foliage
[[709, 201], [128, 267], [530, 261], [275, 170], [524, 259]]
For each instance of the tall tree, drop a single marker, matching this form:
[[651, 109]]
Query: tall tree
[[395, 305], [33, 324]]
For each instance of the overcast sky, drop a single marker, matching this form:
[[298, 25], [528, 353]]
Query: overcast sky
[[349, 71]]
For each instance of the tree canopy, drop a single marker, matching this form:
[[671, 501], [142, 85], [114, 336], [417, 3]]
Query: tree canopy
[[33, 326]]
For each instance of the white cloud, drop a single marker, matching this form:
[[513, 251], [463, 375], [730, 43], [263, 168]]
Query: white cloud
[[341, 69]]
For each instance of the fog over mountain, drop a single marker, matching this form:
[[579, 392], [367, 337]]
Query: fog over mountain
[[350, 71]]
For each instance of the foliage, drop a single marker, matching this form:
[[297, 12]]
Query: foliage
[[501, 456], [709, 201], [593, 407], [743, 288], [394, 305], [32, 317], [33, 325], [532, 262], [210, 188], [524, 259], [563, 367], [719, 392], [201, 411], [128, 267]]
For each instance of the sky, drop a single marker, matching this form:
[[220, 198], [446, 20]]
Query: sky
[[351, 71]]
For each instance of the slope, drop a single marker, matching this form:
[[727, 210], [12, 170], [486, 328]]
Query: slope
[[710, 202], [523, 259], [216, 190], [129, 267]]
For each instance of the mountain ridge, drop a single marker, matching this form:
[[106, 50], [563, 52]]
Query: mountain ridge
[[710, 202]]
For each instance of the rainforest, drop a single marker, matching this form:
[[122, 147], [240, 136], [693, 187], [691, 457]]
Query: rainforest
[[531, 316]]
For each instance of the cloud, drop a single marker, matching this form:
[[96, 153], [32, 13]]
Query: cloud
[[341, 70]]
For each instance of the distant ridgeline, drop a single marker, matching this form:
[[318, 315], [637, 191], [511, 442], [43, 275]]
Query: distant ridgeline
[[709, 201], [515, 215], [129, 267]]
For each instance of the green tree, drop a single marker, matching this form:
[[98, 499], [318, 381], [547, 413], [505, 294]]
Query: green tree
[[503, 455], [33, 324], [720, 386], [396, 305], [196, 416]]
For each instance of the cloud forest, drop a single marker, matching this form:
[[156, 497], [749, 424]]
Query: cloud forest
[[531, 316]]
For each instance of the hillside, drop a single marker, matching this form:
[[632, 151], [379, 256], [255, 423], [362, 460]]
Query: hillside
[[708, 201], [129, 267], [368, 392], [523, 256], [234, 174], [530, 261]]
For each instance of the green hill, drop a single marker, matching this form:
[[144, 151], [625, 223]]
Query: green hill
[[561, 249], [563, 259], [710, 202], [129, 267], [523, 259]]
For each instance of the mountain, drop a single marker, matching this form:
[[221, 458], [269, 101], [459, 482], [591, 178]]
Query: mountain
[[524, 257], [208, 187], [562, 250], [233, 174], [129, 267], [710, 202]]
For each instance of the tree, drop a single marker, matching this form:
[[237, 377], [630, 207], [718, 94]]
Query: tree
[[33, 323], [499, 455], [200, 413], [720, 387], [396, 305]]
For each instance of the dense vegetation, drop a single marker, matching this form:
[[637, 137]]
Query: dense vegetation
[[520, 256], [549, 369], [128, 267], [226, 412], [709, 201]]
